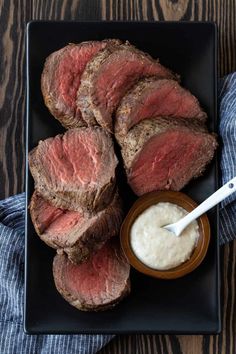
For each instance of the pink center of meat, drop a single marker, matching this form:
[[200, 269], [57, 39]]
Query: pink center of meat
[[54, 222], [164, 162], [75, 159], [168, 100], [119, 73], [64, 224], [45, 214], [71, 68], [98, 281]]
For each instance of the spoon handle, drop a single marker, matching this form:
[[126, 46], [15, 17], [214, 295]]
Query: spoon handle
[[226, 190]]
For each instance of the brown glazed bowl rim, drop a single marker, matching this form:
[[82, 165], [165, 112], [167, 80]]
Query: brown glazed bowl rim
[[181, 200]]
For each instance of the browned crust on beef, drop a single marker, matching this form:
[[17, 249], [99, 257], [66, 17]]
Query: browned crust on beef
[[68, 120], [142, 132], [57, 264], [100, 227], [50, 99], [132, 98], [86, 100], [32, 206], [89, 200]]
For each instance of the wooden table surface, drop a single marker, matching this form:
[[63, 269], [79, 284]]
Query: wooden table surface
[[14, 14]]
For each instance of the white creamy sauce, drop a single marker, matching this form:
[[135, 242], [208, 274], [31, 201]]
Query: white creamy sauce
[[159, 248]]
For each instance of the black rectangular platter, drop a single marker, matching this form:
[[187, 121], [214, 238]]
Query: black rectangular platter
[[190, 305]]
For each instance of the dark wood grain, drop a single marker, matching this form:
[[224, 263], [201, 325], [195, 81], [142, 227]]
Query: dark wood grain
[[13, 17]]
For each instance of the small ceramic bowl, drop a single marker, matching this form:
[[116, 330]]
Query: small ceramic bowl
[[183, 201]]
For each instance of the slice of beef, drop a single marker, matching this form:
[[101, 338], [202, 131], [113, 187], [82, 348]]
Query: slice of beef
[[75, 233], [61, 76], [75, 170], [98, 284], [166, 153], [107, 78], [150, 98], [43, 214]]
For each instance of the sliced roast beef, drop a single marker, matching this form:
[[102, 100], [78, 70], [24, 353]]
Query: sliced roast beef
[[61, 79], [43, 214], [150, 98], [75, 170], [97, 284], [166, 153], [107, 78], [78, 234]]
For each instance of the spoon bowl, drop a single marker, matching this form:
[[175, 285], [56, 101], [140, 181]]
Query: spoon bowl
[[181, 200]]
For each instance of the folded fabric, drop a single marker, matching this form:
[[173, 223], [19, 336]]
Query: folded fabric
[[12, 338], [227, 129]]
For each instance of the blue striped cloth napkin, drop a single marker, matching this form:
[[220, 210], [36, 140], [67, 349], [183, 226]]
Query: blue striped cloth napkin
[[12, 338], [227, 128]]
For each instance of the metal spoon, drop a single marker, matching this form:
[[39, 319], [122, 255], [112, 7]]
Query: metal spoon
[[215, 198]]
